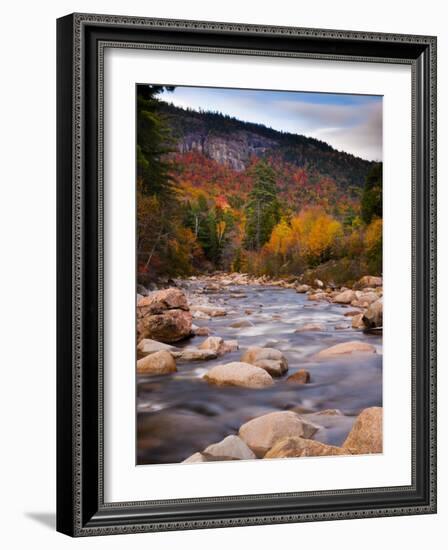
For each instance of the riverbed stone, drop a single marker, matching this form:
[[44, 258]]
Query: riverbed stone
[[357, 322], [158, 363], [202, 331], [241, 324], [161, 300], [293, 447], [345, 297], [346, 348], [230, 447], [169, 326], [210, 311], [373, 317], [263, 432], [301, 289], [239, 374], [219, 345], [269, 359], [195, 459], [194, 354], [148, 346], [300, 377], [366, 436], [311, 327]]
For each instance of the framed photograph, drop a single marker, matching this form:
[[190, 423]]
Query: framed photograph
[[246, 274]]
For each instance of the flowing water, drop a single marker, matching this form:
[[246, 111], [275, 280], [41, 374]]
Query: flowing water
[[180, 414]]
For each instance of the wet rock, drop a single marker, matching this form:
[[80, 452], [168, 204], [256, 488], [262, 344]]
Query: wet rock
[[148, 346], [346, 348], [196, 458], [368, 297], [231, 447], [170, 326], [269, 359], [202, 331], [357, 322], [318, 283], [210, 311], [366, 436], [218, 345], [262, 433], [329, 412], [318, 296], [237, 296], [155, 364], [291, 447], [373, 317], [161, 300], [194, 354], [341, 326], [352, 313], [301, 289], [163, 316], [241, 324], [369, 281], [239, 374], [311, 327], [345, 297], [300, 377], [201, 315]]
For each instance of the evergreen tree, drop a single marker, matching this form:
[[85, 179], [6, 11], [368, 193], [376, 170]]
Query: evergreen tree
[[372, 197], [153, 142], [263, 207]]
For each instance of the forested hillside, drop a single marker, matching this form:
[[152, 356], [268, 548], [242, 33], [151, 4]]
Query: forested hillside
[[218, 193]]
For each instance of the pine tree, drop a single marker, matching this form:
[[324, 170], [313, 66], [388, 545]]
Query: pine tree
[[263, 207], [372, 197]]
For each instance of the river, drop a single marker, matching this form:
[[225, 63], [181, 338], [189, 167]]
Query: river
[[181, 414]]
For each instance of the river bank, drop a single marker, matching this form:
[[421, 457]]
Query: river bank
[[197, 404]]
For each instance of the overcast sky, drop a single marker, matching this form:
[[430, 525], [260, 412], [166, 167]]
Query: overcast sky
[[351, 123]]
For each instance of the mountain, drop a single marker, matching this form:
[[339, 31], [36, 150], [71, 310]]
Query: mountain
[[233, 143]]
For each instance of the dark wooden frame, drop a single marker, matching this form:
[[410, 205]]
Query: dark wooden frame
[[81, 39]]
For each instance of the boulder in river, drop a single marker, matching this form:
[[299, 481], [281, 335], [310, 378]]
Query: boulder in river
[[373, 317], [148, 346], [263, 432], [194, 354], [311, 327], [210, 311], [218, 345], [300, 377], [239, 374], [291, 447], [357, 322], [269, 359], [366, 436], [241, 324], [346, 348], [345, 297], [155, 364], [195, 458], [164, 316], [230, 447]]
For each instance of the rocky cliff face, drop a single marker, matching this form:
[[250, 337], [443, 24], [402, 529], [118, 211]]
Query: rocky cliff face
[[233, 151]]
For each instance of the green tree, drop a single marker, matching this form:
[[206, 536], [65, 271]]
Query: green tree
[[372, 197], [263, 207], [154, 141]]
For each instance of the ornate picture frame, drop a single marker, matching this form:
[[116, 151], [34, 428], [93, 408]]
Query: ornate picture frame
[[81, 506]]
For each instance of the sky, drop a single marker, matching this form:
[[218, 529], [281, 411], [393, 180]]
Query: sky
[[350, 123]]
